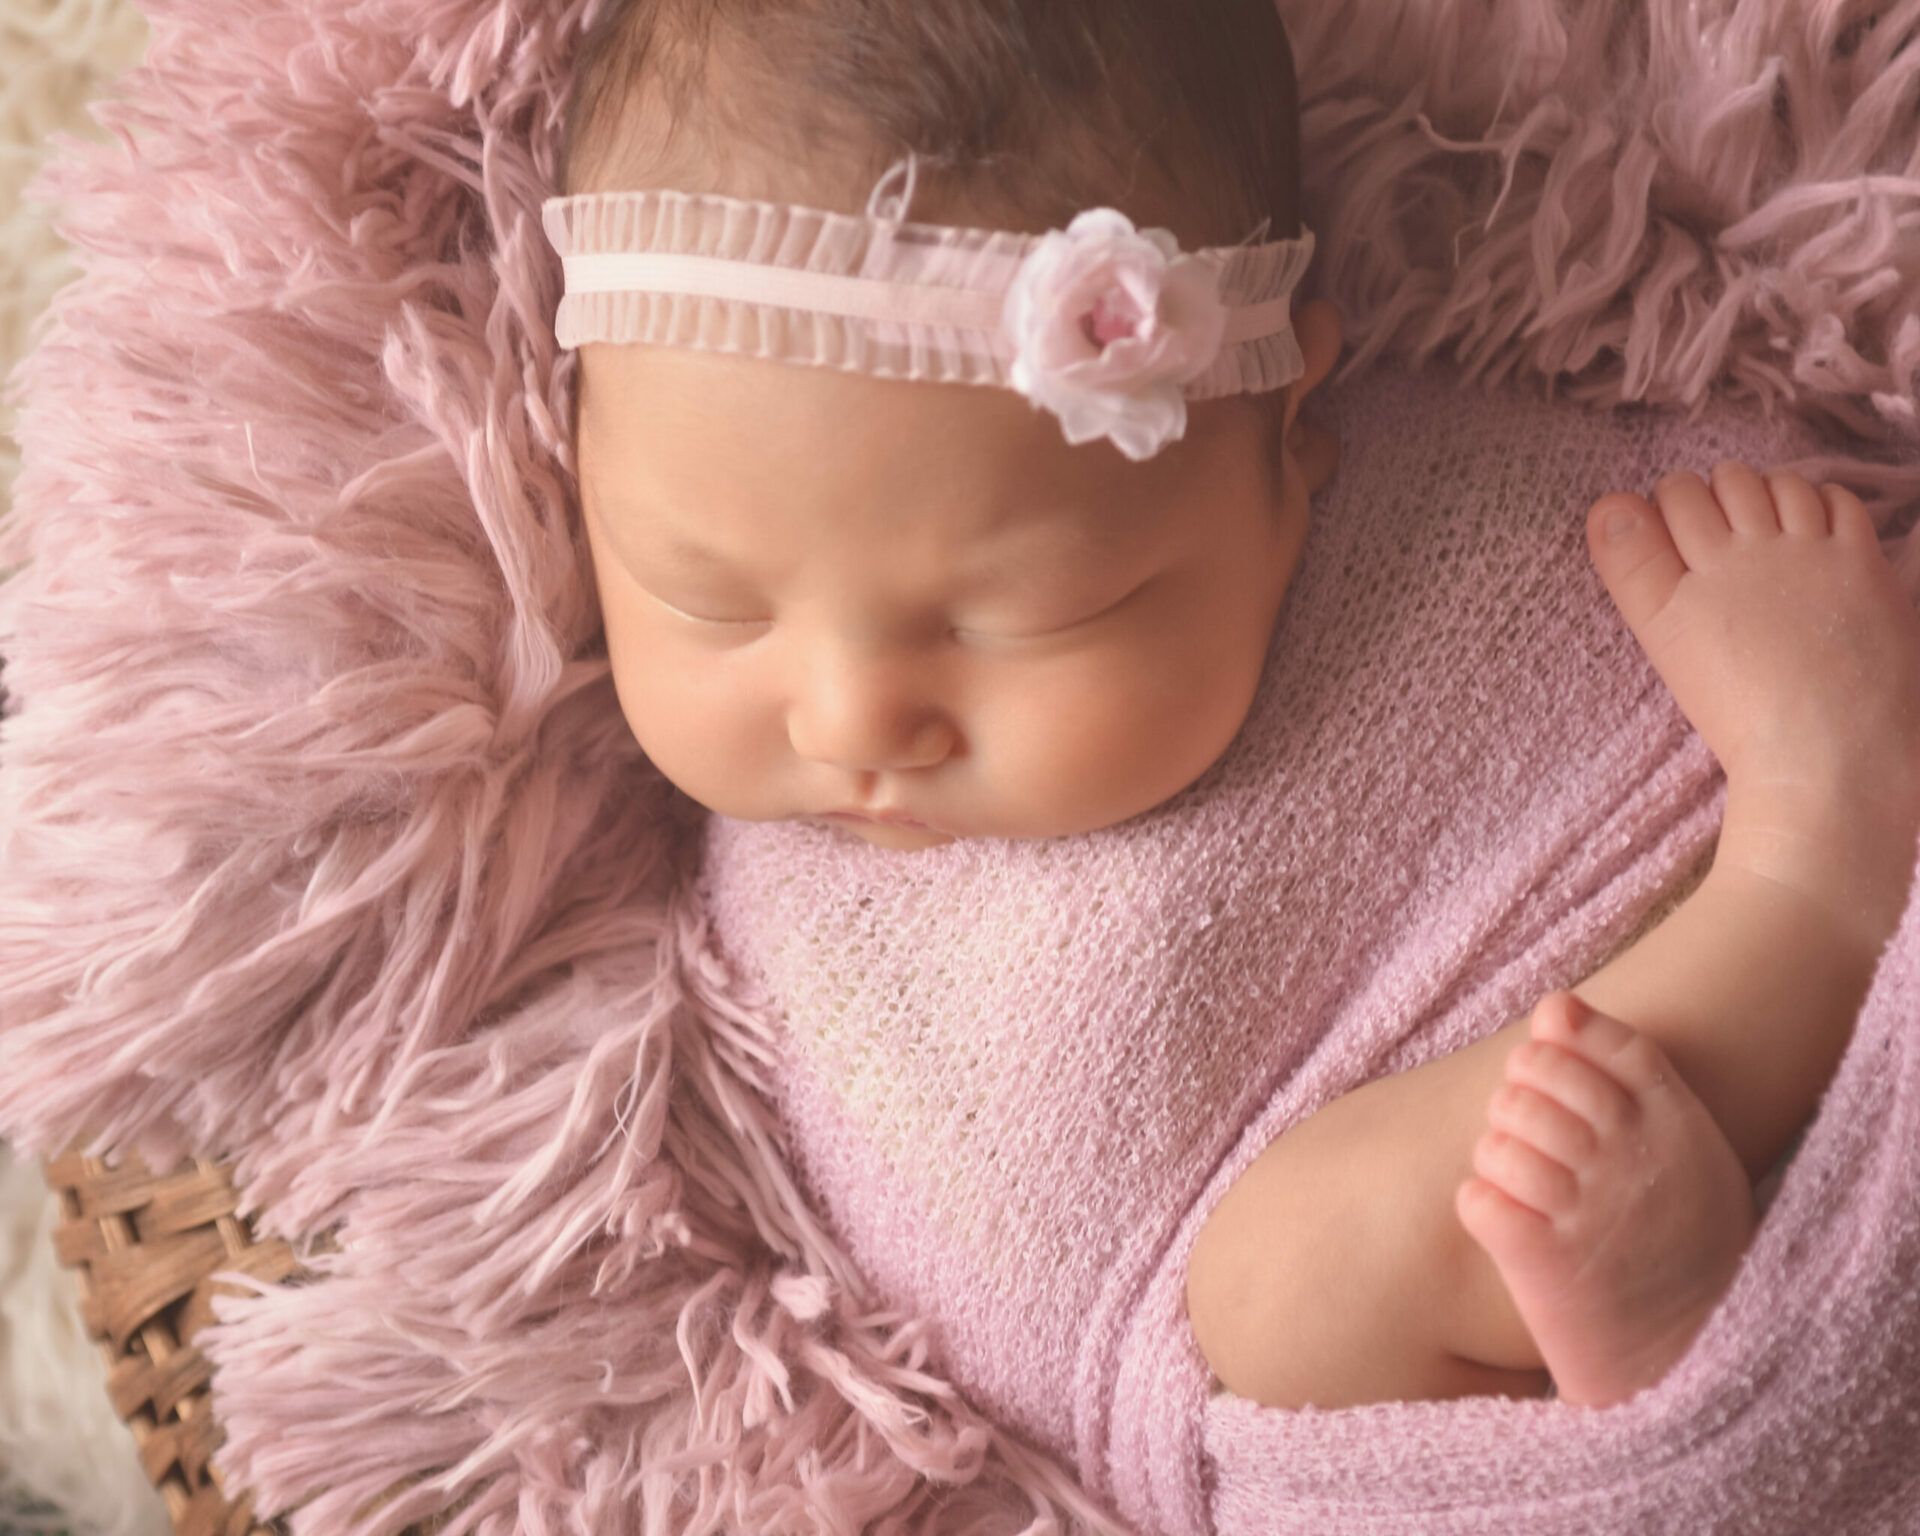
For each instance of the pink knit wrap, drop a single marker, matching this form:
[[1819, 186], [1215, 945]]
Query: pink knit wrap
[[1016, 1075], [323, 844]]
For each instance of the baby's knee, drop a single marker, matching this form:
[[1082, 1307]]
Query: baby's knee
[[1301, 1292]]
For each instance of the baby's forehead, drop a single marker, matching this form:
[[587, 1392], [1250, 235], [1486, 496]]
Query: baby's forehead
[[709, 438]]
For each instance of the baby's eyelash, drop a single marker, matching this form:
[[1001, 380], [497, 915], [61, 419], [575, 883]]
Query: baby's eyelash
[[695, 618], [958, 631], [1063, 629]]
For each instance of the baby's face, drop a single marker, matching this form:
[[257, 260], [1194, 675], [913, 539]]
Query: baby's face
[[830, 596]]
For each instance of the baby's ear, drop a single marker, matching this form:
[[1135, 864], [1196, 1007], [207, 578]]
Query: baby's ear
[[1316, 452], [1316, 326]]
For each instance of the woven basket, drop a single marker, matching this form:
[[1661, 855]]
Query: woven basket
[[144, 1247]]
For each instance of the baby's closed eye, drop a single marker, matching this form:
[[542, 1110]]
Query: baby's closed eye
[[1008, 621], [1040, 621], [709, 610]]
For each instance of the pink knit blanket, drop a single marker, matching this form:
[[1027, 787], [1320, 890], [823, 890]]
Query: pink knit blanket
[[1016, 1075], [671, 1188]]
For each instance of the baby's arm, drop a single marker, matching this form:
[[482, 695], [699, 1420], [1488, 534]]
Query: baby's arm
[[1336, 1271]]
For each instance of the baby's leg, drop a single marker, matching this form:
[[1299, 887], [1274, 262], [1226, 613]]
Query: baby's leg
[[1777, 623]]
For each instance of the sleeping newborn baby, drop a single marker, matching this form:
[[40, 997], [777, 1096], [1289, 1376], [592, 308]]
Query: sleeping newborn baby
[[998, 570]]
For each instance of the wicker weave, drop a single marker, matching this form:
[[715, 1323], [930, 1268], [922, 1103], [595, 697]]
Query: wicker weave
[[144, 1247]]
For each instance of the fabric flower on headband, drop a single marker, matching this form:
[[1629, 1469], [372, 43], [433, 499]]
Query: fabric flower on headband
[[1107, 322]]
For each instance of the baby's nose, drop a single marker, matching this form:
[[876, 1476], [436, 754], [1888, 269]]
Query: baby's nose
[[874, 714]]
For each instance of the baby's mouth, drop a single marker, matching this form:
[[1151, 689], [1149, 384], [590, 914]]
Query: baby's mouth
[[883, 818]]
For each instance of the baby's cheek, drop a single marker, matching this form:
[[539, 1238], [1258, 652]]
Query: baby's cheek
[[715, 748], [1113, 741], [688, 727]]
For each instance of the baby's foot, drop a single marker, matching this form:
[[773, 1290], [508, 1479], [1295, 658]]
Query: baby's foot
[[1608, 1199], [1772, 615]]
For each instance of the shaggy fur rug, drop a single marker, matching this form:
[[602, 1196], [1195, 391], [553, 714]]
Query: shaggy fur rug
[[327, 847]]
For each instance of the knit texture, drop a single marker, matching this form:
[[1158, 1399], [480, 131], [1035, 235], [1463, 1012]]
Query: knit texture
[[323, 843], [1016, 1075]]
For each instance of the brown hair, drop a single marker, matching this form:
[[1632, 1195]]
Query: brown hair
[[1022, 110]]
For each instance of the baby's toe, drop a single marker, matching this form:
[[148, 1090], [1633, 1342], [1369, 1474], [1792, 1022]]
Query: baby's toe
[[1629, 1058], [1852, 522], [1543, 1123], [1695, 518], [1514, 1234], [1525, 1174], [1801, 510], [1746, 499], [1634, 551], [1578, 1085]]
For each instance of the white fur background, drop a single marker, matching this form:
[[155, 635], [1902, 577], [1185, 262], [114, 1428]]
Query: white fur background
[[65, 1461]]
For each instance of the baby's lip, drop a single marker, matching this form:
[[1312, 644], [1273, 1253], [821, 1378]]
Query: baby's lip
[[887, 817]]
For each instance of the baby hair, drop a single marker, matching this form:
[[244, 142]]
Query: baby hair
[[1020, 111]]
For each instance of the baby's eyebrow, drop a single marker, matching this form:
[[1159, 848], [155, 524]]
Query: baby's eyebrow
[[679, 551], [663, 552], [1077, 538]]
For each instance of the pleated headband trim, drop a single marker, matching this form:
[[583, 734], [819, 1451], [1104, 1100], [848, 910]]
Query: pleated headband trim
[[1111, 328]]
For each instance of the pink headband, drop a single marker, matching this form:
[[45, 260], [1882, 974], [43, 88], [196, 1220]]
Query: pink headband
[[1111, 328]]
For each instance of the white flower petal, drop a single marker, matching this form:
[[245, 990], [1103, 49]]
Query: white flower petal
[[1131, 389]]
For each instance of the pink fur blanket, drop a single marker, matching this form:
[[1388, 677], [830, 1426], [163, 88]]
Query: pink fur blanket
[[325, 845]]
